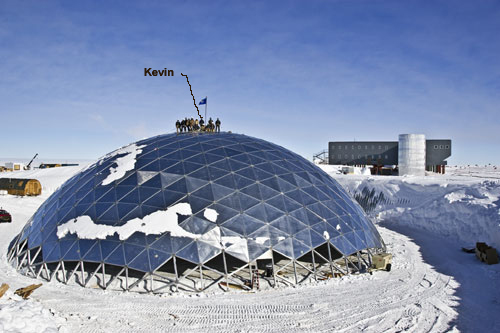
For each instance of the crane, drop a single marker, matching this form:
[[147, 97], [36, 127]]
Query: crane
[[28, 166]]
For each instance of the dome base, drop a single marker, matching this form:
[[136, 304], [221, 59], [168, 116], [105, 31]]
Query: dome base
[[222, 273]]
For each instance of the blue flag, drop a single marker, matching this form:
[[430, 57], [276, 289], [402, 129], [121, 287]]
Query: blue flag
[[203, 101]]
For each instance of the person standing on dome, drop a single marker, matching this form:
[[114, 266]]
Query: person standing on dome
[[210, 125], [202, 125], [177, 126], [217, 125]]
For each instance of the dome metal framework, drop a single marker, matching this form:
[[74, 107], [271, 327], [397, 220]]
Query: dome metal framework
[[190, 211]]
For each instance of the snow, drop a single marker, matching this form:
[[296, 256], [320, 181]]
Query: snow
[[23, 316], [433, 286], [158, 223], [464, 209], [364, 171], [155, 223], [211, 214], [123, 163]]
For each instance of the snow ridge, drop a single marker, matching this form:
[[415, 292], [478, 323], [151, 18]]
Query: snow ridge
[[467, 211]]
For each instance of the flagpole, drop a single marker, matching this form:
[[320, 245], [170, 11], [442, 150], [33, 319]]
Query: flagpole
[[206, 102]]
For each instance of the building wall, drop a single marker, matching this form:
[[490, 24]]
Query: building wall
[[370, 152], [363, 152], [411, 154], [14, 166], [437, 151]]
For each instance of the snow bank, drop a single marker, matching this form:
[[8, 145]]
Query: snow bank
[[339, 169], [469, 218], [18, 315], [467, 210]]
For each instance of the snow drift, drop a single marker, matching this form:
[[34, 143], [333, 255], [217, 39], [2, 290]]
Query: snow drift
[[465, 210]]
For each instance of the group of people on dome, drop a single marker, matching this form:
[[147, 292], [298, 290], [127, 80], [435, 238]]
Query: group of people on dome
[[193, 125]]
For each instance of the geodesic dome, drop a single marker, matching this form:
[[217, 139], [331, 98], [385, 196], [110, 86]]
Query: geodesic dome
[[190, 210]]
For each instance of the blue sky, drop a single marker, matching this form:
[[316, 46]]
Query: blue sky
[[297, 73]]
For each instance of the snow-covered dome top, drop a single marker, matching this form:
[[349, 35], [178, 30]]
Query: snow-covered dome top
[[192, 196]]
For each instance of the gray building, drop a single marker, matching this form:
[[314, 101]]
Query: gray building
[[384, 153], [437, 151]]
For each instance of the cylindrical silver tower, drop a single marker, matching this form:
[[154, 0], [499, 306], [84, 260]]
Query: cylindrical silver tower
[[411, 154]]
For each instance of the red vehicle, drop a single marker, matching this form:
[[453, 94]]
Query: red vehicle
[[5, 216]]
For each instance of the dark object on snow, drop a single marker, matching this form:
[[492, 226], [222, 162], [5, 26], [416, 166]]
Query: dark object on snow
[[27, 291], [5, 216], [388, 267], [269, 270], [486, 254], [471, 250]]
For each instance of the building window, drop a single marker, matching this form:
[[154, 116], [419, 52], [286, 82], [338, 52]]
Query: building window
[[379, 147], [373, 147], [359, 156], [345, 156], [435, 146], [352, 147], [447, 147], [441, 147], [346, 147], [333, 147], [386, 147], [352, 157], [340, 147], [359, 147], [366, 147], [386, 157]]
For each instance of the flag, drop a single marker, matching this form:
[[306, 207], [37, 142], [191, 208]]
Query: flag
[[203, 101]]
